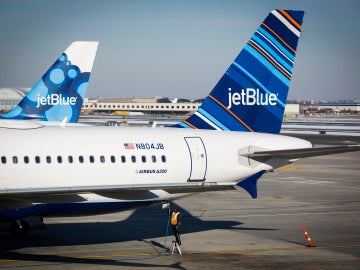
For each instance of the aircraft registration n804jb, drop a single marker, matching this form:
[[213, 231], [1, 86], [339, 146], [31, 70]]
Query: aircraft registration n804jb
[[230, 142]]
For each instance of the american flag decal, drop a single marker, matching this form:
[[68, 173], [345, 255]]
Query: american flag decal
[[129, 146]]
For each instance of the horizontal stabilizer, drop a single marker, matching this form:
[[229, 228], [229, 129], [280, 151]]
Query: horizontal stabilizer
[[15, 124], [303, 152], [249, 184]]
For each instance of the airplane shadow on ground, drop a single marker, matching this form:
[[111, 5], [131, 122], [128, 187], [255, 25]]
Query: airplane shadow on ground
[[143, 224]]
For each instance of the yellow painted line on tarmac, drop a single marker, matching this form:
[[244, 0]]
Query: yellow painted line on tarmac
[[137, 255], [245, 250], [341, 246], [4, 260], [272, 249], [291, 168]]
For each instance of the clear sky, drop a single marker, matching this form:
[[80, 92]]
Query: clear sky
[[176, 48]]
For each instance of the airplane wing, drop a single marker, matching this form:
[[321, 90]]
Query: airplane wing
[[169, 187], [291, 154]]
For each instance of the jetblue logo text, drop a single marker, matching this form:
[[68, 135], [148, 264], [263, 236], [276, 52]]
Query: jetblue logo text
[[251, 96], [55, 99]]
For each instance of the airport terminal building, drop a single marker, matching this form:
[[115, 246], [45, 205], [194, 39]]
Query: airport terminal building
[[145, 106], [10, 97], [339, 107]]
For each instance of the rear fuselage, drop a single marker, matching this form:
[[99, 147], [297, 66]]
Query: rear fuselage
[[84, 156]]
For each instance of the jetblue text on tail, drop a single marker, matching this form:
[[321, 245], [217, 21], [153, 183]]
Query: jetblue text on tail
[[55, 99], [251, 96]]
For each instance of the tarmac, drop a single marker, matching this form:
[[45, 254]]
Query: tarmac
[[220, 230]]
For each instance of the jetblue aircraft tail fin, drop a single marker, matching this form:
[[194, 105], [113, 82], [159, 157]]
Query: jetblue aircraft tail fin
[[60, 92], [252, 94]]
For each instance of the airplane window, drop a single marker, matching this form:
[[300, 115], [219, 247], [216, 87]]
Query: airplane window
[[70, 159], [59, 159], [81, 159], [3, 160], [143, 159], [26, 159], [102, 159], [92, 159], [37, 159], [48, 159], [153, 158], [133, 159], [15, 160], [112, 158], [123, 159], [163, 159]]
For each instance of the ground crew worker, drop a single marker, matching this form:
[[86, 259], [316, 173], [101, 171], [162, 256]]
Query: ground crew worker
[[175, 224]]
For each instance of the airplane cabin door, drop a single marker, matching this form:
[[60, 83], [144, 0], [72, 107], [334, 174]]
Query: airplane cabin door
[[198, 158]]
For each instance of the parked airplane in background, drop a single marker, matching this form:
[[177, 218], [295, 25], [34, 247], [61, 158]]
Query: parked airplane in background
[[85, 170], [59, 94]]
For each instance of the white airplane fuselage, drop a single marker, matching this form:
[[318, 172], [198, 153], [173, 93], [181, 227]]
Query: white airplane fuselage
[[50, 157]]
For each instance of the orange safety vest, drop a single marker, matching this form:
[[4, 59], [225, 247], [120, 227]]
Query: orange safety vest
[[174, 218]]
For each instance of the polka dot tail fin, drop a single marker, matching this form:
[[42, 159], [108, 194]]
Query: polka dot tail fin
[[60, 92]]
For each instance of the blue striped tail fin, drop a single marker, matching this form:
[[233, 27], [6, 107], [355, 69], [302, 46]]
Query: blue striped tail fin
[[252, 94]]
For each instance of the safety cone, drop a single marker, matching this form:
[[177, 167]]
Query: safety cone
[[307, 236]]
